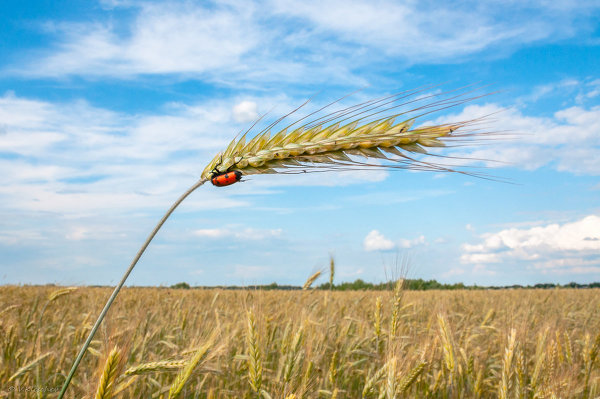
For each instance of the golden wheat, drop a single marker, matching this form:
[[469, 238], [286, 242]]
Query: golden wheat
[[311, 279], [109, 375], [186, 373], [160, 366], [507, 360], [254, 356], [331, 271], [305, 343], [408, 380], [327, 140], [28, 367]]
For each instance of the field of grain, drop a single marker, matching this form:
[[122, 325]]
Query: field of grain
[[160, 343]]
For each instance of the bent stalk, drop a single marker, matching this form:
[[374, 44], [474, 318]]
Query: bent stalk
[[120, 285]]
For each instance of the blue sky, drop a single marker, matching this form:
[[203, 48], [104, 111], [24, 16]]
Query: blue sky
[[109, 110]]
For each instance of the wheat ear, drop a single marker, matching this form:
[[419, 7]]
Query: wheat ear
[[447, 346], [391, 384], [330, 140], [311, 279], [396, 306], [507, 360], [109, 374], [377, 318], [187, 371], [373, 380], [28, 367], [255, 369], [331, 271], [409, 379], [160, 366]]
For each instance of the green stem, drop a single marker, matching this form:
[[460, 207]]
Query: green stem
[[120, 285]]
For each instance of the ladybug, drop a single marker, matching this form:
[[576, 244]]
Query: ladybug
[[227, 178]]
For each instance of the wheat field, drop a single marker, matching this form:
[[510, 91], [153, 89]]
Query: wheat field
[[208, 343]]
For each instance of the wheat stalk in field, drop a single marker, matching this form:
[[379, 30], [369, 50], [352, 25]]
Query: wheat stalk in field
[[187, 371], [409, 379], [368, 130], [311, 279], [331, 271], [28, 367], [506, 365], [448, 347], [377, 318], [151, 367], [254, 357], [109, 374]]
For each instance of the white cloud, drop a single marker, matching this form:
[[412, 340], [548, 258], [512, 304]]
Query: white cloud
[[255, 41], [405, 243], [77, 233], [161, 38], [245, 111], [428, 32], [567, 141], [75, 158], [559, 248], [375, 241], [211, 233], [245, 234]]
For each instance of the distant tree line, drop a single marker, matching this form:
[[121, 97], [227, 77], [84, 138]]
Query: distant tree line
[[409, 284]]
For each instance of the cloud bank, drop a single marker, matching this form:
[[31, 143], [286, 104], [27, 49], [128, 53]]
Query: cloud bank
[[554, 248], [375, 241], [282, 40]]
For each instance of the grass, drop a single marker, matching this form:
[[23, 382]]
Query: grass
[[303, 344]]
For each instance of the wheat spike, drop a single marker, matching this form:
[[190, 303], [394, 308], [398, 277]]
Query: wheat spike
[[160, 366], [372, 381], [520, 368], [293, 354], [568, 348], [28, 367], [333, 368], [331, 140], [310, 280], [507, 365], [408, 380], [62, 292], [109, 375], [396, 306], [391, 385], [377, 318], [254, 358], [186, 373], [447, 346], [331, 271]]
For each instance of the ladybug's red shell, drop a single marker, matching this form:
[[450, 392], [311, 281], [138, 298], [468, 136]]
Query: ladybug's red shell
[[225, 179]]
